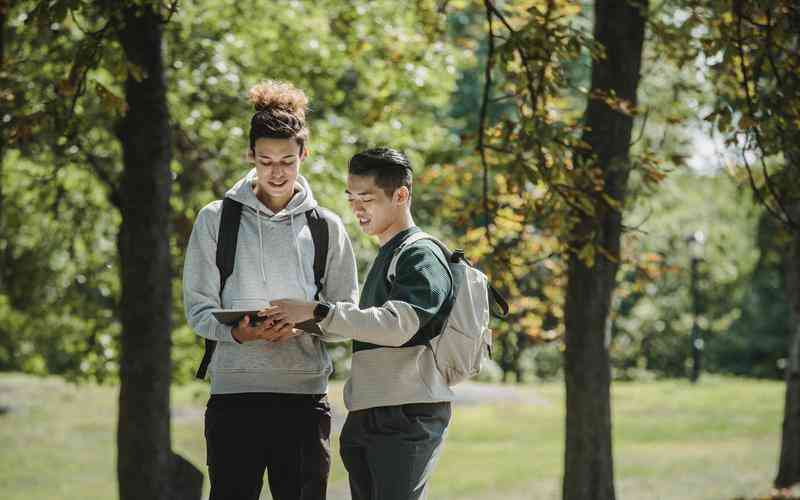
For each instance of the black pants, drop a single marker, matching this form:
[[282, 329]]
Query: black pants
[[390, 451], [288, 435]]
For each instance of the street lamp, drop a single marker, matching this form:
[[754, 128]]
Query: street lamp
[[695, 242]]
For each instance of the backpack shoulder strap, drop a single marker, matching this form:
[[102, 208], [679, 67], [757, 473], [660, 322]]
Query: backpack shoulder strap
[[318, 226], [497, 303], [228, 235], [392, 272], [229, 221]]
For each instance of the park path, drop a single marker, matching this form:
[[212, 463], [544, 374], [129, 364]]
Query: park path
[[467, 394]]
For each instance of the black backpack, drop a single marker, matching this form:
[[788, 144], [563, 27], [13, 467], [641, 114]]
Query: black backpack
[[226, 254]]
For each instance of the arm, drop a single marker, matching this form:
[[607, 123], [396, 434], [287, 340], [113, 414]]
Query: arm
[[341, 275], [421, 287], [201, 277]]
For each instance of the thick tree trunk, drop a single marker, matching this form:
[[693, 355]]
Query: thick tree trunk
[[146, 465], [588, 462], [7, 344], [3, 16], [789, 466]]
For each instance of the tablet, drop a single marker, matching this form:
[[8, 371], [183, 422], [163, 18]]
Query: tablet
[[232, 317]]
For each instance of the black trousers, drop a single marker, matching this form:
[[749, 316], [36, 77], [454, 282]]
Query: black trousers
[[288, 435], [390, 451]]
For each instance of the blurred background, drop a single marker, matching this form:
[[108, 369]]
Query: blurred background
[[626, 172]]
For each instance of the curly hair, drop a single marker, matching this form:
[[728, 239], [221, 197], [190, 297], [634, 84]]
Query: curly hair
[[280, 112]]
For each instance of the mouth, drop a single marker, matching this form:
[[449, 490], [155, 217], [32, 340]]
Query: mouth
[[275, 184], [363, 221]]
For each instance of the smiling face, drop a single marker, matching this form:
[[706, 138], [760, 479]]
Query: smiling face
[[277, 165], [378, 214]]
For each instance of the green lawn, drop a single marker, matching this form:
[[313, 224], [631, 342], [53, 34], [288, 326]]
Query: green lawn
[[716, 440]]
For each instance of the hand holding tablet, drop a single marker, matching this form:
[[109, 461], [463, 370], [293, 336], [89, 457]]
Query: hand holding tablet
[[232, 317]]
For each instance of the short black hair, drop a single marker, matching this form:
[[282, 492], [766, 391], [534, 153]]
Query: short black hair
[[390, 168]]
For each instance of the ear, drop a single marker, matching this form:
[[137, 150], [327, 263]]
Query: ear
[[250, 156], [304, 153], [401, 196]]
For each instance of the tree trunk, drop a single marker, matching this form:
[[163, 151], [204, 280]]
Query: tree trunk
[[789, 466], [588, 463], [4, 7], [146, 465]]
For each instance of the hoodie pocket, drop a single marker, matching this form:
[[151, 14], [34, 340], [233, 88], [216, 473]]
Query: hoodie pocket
[[303, 354]]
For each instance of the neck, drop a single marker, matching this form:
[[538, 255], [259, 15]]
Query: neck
[[274, 203], [403, 223]]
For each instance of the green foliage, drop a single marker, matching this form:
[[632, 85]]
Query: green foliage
[[753, 50], [374, 76], [412, 79], [57, 309], [756, 343], [652, 316]]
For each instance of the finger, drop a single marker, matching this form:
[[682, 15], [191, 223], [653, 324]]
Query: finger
[[268, 311], [279, 316], [281, 323], [268, 333], [267, 326], [287, 329], [279, 331]]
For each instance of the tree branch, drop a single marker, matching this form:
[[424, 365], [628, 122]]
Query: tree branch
[[786, 219], [487, 87]]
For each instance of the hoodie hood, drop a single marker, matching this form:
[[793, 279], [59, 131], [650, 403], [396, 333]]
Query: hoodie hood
[[301, 202]]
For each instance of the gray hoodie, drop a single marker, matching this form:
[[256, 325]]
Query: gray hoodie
[[274, 260]]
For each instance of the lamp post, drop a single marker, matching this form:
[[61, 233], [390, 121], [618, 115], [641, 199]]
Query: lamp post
[[695, 242]]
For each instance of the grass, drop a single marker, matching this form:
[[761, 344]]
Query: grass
[[717, 440]]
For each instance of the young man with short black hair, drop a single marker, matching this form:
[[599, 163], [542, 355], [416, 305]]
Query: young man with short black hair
[[400, 405]]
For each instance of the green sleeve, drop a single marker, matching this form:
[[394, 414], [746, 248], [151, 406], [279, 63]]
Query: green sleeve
[[422, 280]]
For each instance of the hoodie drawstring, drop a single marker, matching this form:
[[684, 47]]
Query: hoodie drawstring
[[299, 270], [261, 245], [298, 251]]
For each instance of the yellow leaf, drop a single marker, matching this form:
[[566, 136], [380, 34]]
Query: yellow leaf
[[137, 72], [587, 254], [612, 202]]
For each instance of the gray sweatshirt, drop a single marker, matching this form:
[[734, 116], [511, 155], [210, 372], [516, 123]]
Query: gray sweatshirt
[[274, 260]]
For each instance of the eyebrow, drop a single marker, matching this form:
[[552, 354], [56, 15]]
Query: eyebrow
[[282, 158], [363, 193]]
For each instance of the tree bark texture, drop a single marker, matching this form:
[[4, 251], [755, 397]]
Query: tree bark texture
[[588, 463], [789, 465], [146, 465]]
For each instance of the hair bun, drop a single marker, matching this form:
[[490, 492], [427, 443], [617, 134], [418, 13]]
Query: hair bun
[[275, 94]]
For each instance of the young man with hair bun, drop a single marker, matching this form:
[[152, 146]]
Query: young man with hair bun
[[268, 408]]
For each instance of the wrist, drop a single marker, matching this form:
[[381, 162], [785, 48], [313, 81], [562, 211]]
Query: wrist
[[321, 311]]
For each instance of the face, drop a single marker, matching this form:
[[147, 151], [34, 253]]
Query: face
[[277, 164], [376, 212]]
